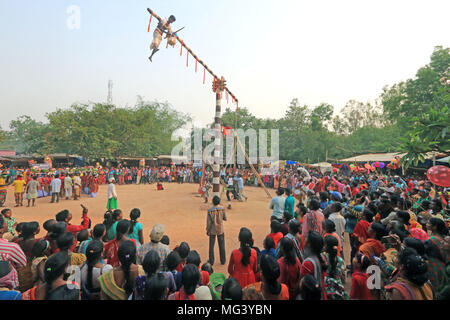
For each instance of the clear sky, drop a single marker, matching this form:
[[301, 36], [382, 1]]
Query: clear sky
[[269, 51]]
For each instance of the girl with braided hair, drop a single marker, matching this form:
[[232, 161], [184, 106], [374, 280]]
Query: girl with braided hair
[[289, 267], [136, 229], [269, 288], [243, 261], [118, 284], [56, 286], [112, 247], [92, 269]]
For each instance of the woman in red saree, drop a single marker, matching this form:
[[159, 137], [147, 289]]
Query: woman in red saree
[[112, 247]]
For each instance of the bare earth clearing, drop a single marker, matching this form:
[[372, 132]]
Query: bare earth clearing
[[178, 207]]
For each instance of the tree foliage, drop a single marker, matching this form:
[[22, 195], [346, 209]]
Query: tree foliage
[[101, 131], [410, 116]]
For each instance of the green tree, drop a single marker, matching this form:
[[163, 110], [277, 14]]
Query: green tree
[[28, 134]]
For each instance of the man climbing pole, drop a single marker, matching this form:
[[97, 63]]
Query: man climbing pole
[[163, 27]]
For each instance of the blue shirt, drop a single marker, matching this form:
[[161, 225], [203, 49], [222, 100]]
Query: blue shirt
[[10, 295], [277, 204], [111, 233], [289, 205], [374, 184], [270, 252], [240, 182], [135, 234]]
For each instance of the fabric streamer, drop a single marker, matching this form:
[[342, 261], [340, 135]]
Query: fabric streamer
[[196, 65], [187, 59], [151, 16], [204, 74], [181, 51]]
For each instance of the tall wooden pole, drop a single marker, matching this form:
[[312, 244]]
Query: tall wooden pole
[[218, 86]]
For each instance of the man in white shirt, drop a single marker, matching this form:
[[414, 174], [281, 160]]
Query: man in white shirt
[[68, 184], [112, 195], [230, 188], [56, 188]]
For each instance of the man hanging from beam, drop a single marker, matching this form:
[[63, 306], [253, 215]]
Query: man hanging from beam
[[163, 27]]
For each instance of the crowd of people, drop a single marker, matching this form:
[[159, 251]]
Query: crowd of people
[[397, 229], [69, 183]]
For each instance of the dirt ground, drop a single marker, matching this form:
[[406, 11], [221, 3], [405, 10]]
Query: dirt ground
[[178, 208]]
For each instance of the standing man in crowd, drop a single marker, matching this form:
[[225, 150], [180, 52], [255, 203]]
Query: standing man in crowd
[[32, 190], [56, 188], [76, 187], [277, 205], [19, 188], [214, 228], [68, 184], [3, 189], [112, 195], [289, 203], [240, 185], [230, 188]]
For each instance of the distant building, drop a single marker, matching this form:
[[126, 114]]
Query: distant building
[[7, 153]]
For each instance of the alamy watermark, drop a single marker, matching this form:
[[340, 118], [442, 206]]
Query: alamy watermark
[[374, 279], [240, 147]]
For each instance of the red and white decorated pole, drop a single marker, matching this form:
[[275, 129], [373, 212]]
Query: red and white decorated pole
[[218, 87]]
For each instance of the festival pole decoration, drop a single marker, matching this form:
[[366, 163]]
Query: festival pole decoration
[[174, 35], [219, 86]]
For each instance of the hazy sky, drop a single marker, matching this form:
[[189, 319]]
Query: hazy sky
[[269, 51]]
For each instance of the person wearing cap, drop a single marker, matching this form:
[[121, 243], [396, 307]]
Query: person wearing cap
[[112, 195], [163, 26], [155, 244]]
